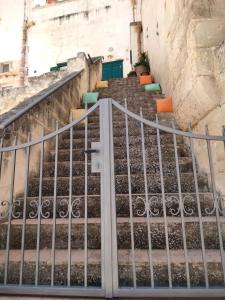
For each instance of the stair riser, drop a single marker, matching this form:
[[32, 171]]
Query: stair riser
[[121, 185], [61, 240], [120, 168], [61, 273], [120, 152], [125, 275], [118, 132], [140, 234], [150, 141], [175, 236], [178, 272]]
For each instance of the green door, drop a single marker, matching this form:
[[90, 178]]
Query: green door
[[112, 69]]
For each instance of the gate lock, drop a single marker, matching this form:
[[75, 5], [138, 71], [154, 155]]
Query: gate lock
[[96, 157]]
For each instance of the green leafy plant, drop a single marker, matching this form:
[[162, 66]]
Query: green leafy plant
[[143, 61]]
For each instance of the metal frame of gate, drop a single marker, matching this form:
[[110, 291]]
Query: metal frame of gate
[[109, 260]]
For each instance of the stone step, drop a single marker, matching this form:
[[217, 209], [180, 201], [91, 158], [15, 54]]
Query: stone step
[[160, 271], [166, 140], [120, 152], [148, 114], [120, 167], [121, 185], [124, 256], [118, 131], [140, 233], [121, 122]]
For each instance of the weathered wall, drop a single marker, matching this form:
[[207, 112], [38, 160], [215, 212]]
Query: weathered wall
[[101, 28], [11, 97], [185, 42], [11, 30]]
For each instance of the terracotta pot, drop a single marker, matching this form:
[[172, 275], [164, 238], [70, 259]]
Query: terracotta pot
[[51, 1], [140, 70], [145, 79], [164, 105]]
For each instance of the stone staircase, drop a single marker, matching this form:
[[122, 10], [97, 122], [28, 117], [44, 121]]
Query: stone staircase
[[138, 234]]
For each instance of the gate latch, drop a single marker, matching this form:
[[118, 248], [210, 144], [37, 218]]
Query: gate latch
[[96, 158]]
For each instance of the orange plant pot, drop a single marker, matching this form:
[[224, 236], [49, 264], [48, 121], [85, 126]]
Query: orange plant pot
[[164, 105], [51, 1], [146, 79]]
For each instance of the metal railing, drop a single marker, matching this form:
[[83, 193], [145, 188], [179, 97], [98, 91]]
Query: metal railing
[[26, 208], [124, 231], [167, 207]]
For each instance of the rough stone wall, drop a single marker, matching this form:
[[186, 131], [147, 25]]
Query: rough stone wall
[[185, 40], [11, 97]]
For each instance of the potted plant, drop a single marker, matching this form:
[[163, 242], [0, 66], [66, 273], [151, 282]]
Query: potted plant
[[142, 67]]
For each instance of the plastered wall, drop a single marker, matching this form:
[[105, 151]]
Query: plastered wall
[[11, 31], [101, 28]]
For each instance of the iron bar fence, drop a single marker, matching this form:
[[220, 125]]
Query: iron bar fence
[[148, 223]]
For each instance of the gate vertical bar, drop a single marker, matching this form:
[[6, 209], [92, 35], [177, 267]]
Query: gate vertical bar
[[39, 212], [181, 207], [106, 196], [147, 201], [54, 206], [213, 183], [70, 209], [86, 202], [26, 176], [10, 212], [199, 211], [164, 203], [130, 198]]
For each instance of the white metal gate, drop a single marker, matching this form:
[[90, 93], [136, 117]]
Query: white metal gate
[[136, 238]]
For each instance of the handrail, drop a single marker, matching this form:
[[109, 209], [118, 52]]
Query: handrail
[[19, 110], [52, 134], [168, 129]]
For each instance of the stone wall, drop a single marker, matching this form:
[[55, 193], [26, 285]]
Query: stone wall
[[11, 97], [185, 40]]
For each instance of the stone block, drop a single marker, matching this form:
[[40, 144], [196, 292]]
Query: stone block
[[203, 62], [202, 99], [207, 32]]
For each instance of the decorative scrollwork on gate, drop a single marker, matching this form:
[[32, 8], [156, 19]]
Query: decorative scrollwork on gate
[[189, 202], [45, 204], [173, 205], [33, 214], [151, 207], [17, 212], [66, 208], [75, 208], [4, 209]]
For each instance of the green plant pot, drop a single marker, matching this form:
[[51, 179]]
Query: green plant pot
[[90, 98], [154, 87]]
